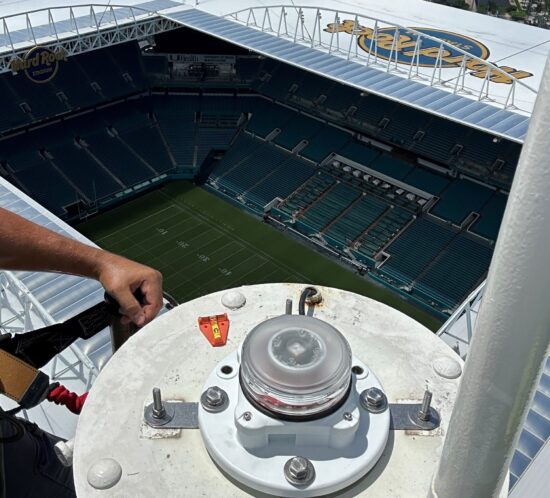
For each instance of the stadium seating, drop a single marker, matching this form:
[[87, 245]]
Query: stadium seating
[[279, 80], [292, 173], [378, 235], [426, 180], [438, 263], [311, 86], [459, 199], [488, 224], [83, 172], [371, 109], [240, 173], [267, 116], [340, 98], [176, 120], [436, 139], [307, 194], [82, 81], [354, 220], [455, 271], [239, 138], [328, 207], [327, 140], [391, 166], [359, 153], [440, 136], [298, 128], [402, 125]]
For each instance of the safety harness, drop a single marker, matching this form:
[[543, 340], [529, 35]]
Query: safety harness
[[22, 355]]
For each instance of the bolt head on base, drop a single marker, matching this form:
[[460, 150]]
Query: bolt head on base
[[374, 400], [299, 471], [214, 399]]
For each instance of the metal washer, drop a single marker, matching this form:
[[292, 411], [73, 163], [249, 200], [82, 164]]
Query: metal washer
[[300, 483]]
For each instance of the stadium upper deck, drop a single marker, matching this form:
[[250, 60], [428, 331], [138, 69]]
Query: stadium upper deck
[[477, 70], [460, 54]]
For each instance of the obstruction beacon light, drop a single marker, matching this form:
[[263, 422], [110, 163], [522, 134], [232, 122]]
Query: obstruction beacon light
[[295, 366], [295, 399]]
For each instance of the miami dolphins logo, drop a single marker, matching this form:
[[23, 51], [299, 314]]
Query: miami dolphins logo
[[402, 46]]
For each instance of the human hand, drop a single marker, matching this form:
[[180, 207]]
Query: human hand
[[121, 277]]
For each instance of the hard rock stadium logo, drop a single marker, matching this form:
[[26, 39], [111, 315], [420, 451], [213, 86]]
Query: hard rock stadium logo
[[428, 54], [40, 64]]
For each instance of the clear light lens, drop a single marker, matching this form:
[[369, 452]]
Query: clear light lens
[[295, 365]]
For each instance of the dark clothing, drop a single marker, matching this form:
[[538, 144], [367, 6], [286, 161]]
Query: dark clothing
[[31, 468]]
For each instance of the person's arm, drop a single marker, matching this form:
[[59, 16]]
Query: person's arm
[[27, 246]]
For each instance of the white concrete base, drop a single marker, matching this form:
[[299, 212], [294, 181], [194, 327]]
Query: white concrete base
[[172, 353]]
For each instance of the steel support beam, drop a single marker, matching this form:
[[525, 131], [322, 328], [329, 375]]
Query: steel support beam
[[306, 24], [78, 44], [512, 332], [19, 309]]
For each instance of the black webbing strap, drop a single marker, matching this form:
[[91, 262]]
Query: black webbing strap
[[38, 347], [22, 355]]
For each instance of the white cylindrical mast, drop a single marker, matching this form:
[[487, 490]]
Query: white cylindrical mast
[[512, 332]]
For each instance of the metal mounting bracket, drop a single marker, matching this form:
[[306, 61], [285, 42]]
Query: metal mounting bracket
[[406, 417], [179, 415]]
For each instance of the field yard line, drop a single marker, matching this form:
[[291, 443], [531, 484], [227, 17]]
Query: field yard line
[[187, 257], [206, 231], [217, 250], [210, 269], [152, 247], [240, 276], [246, 244], [134, 223], [168, 221]]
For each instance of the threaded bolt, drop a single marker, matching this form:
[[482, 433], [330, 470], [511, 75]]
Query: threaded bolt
[[424, 412], [158, 408]]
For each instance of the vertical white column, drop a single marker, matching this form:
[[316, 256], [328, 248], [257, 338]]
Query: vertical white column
[[512, 332]]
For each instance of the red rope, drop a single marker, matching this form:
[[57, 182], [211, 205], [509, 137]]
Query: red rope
[[60, 395]]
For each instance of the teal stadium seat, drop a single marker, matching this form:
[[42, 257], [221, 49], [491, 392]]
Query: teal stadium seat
[[461, 198], [326, 141], [427, 181], [488, 224], [359, 153], [415, 248]]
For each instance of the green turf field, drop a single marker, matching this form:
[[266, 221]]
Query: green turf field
[[203, 244]]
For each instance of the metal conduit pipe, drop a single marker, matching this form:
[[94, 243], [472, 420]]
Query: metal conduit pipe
[[512, 332]]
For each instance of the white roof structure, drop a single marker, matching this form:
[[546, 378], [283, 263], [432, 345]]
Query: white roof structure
[[473, 69], [533, 451], [32, 300]]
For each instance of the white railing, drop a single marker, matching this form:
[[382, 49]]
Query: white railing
[[339, 32], [76, 29], [19, 309], [21, 312]]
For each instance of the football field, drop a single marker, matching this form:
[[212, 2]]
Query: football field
[[203, 244]]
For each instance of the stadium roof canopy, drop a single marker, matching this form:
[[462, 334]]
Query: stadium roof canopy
[[478, 70], [30, 300]]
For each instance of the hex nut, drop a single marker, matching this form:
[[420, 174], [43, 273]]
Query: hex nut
[[214, 399], [373, 400], [299, 471]]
